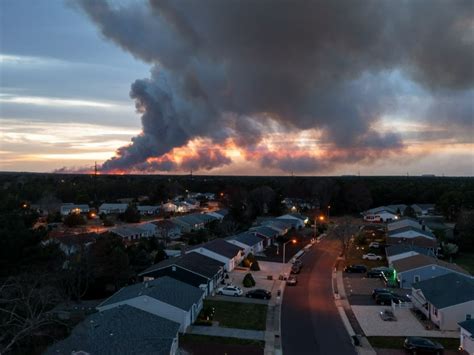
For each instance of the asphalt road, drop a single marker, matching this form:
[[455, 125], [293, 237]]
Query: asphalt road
[[310, 321]]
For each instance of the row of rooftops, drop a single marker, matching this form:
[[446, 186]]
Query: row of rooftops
[[421, 208]]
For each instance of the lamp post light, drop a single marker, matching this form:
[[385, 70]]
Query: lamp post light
[[284, 247], [321, 218], [329, 210]]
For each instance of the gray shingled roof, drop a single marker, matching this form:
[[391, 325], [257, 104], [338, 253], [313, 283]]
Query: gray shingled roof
[[194, 262], [120, 330], [221, 247], [265, 231], [420, 260], [404, 248], [393, 233], [164, 289], [447, 290], [468, 325], [246, 238]]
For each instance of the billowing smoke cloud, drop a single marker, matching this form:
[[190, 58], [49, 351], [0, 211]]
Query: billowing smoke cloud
[[240, 69]]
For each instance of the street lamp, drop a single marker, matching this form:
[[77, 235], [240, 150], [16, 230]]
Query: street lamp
[[329, 210], [284, 247], [321, 218]]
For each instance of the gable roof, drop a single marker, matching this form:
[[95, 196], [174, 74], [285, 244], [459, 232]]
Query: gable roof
[[405, 248], [418, 241], [246, 238], [120, 330], [447, 290], [421, 232], [194, 262], [221, 247], [468, 325], [165, 224], [420, 260], [404, 222], [264, 231], [380, 209], [164, 289]]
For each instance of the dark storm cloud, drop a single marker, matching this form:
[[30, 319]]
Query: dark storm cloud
[[226, 69]]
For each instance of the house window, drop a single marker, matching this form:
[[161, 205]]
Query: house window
[[416, 278]]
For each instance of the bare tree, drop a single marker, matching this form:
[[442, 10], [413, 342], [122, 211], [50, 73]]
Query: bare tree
[[25, 310]]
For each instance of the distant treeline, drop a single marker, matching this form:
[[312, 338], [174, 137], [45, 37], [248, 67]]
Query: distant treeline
[[350, 194]]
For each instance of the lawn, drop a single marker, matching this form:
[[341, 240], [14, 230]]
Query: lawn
[[239, 315], [354, 256], [397, 342], [466, 261], [206, 339]]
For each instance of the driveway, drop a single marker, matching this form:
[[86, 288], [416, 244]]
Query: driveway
[[406, 325], [359, 288]]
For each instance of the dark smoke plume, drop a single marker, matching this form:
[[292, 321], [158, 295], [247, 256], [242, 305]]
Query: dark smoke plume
[[239, 69]]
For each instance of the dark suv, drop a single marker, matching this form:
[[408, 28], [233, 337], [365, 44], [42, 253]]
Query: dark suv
[[384, 298], [356, 268], [374, 273], [421, 345]]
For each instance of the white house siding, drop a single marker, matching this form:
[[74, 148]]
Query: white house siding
[[449, 317], [467, 341], [380, 217], [154, 306], [407, 254]]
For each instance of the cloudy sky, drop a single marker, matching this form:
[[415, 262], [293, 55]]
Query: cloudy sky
[[238, 87]]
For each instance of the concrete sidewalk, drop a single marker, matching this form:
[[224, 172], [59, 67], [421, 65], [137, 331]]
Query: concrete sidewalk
[[345, 310], [227, 332]]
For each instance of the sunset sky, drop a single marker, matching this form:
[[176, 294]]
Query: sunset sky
[[237, 87]]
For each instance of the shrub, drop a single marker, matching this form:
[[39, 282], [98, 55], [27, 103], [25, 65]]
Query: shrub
[[248, 280], [360, 239], [255, 266]]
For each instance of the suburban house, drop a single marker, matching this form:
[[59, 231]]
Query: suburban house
[[148, 210], [169, 207], [69, 208], [128, 233], [467, 336], [149, 229], [445, 300], [220, 250], [424, 209], [112, 208], [402, 251], [421, 267], [413, 236], [220, 214], [120, 330], [249, 242], [410, 232], [165, 297], [380, 214], [266, 233], [282, 227], [406, 222], [189, 223], [194, 269], [301, 221], [167, 229]]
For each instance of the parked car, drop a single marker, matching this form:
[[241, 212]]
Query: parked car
[[375, 245], [291, 281], [295, 269], [259, 293], [384, 298], [397, 298], [417, 345], [374, 273], [371, 256], [356, 268], [377, 291], [230, 290], [387, 315]]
